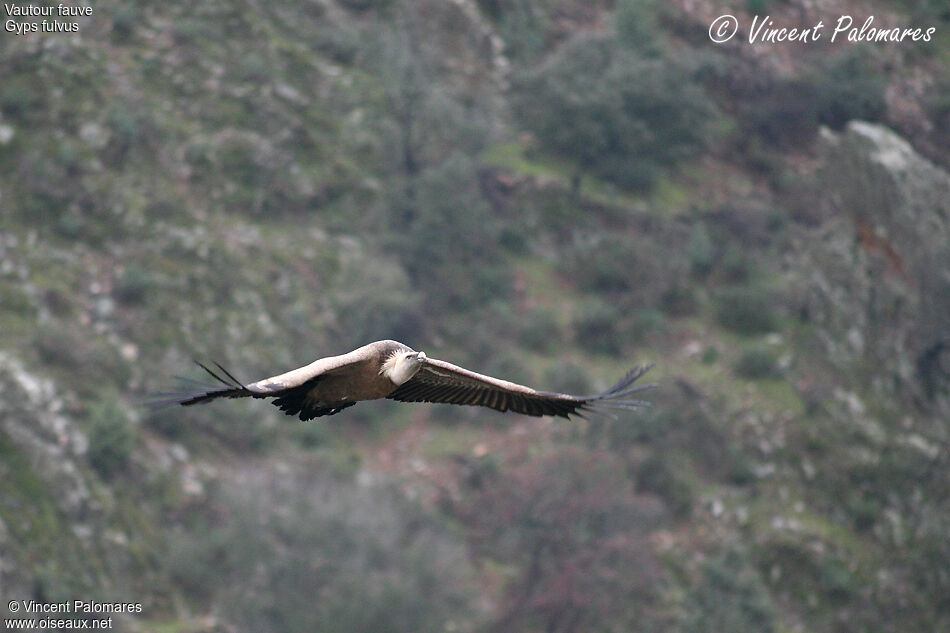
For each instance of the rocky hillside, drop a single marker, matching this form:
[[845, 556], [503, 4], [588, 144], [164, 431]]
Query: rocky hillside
[[549, 192]]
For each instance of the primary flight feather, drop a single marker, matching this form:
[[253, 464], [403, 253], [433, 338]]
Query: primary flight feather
[[389, 369]]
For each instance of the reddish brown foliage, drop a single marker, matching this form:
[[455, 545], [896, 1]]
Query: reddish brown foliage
[[571, 525]]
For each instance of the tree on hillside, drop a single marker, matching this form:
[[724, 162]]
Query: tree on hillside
[[421, 120], [449, 245], [612, 112], [575, 536], [439, 224]]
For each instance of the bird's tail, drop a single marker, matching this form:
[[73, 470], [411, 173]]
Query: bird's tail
[[192, 391]]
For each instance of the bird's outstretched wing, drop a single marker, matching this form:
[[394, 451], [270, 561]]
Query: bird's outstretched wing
[[291, 390], [191, 391], [439, 381], [292, 399]]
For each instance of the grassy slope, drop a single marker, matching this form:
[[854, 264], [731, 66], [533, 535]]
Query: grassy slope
[[152, 241]]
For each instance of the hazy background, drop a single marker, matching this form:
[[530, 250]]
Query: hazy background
[[549, 191]]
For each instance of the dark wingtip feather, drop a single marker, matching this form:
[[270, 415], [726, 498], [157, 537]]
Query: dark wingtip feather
[[623, 386], [616, 398], [198, 392], [234, 381]]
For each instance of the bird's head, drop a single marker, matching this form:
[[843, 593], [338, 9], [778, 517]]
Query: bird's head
[[401, 366]]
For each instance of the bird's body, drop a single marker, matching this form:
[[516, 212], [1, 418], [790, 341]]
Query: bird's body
[[389, 369]]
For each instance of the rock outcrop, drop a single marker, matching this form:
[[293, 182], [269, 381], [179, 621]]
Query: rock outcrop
[[40, 445], [878, 274]]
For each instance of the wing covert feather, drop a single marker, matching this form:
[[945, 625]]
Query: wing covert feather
[[323, 366], [301, 375]]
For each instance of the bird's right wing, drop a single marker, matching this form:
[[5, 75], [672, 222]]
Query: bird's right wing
[[439, 381]]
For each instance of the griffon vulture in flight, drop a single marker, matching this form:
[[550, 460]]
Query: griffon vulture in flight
[[388, 369]]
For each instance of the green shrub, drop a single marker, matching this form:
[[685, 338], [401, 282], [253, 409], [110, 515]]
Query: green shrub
[[14, 300], [629, 268], [134, 285], [125, 126], [929, 11], [938, 103], [57, 344], [338, 41], [656, 475], [636, 25], [525, 30], [679, 300], [376, 298], [728, 596], [739, 468], [612, 112], [646, 321], [849, 86], [124, 21], [540, 331], [736, 265], [71, 350], [610, 265], [595, 327], [111, 437], [700, 250], [566, 523], [167, 421], [239, 162], [757, 363], [198, 156], [252, 67], [318, 552], [746, 310], [19, 99], [782, 112], [567, 377], [452, 258], [189, 31]]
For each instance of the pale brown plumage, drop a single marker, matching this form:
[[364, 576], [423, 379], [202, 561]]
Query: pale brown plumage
[[389, 369]]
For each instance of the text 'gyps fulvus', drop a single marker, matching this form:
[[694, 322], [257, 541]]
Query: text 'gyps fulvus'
[[389, 369]]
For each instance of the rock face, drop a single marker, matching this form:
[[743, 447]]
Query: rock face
[[30, 416], [42, 446], [878, 276]]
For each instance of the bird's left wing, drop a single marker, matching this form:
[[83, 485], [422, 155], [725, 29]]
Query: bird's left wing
[[439, 381], [225, 385]]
